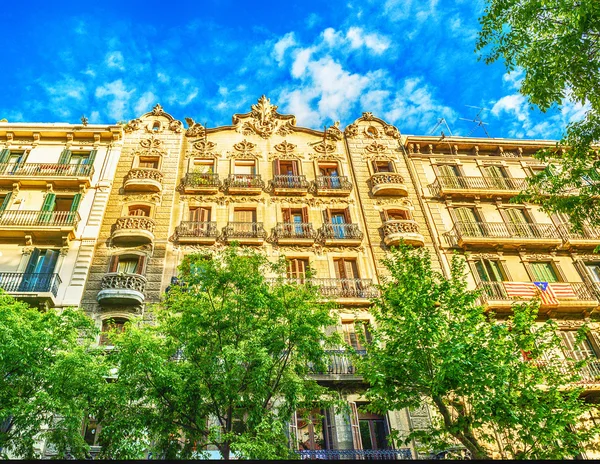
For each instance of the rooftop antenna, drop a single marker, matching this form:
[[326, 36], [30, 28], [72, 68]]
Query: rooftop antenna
[[477, 120], [324, 142], [441, 121]]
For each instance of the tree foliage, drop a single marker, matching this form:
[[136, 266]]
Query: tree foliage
[[50, 378], [432, 342], [556, 43], [225, 364]]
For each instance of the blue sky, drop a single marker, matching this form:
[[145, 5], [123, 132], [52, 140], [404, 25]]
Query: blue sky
[[409, 62]]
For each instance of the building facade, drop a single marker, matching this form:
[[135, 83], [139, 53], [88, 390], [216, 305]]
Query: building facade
[[101, 216]]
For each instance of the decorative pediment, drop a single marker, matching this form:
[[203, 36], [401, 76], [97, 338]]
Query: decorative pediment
[[264, 120], [376, 148], [151, 147], [244, 150], [322, 147], [285, 147], [285, 151], [351, 131], [195, 129], [203, 149]]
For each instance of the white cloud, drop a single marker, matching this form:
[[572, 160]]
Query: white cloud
[[144, 103], [301, 61], [115, 60], [119, 98], [287, 41], [376, 43]]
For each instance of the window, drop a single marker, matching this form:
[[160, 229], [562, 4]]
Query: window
[[285, 167], [544, 272], [329, 169], [345, 268], [397, 215], [244, 215], [203, 165], [199, 214], [373, 431], [127, 264], [149, 162], [339, 218], [63, 203], [490, 270], [449, 170], [383, 166], [91, 431], [356, 333], [139, 210], [577, 351], [593, 270], [244, 167], [156, 126], [109, 325], [16, 157], [79, 158], [311, 425], [296, 268], [39, 272], [468, 221]]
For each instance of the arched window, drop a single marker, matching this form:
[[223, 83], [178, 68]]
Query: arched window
[[116, 324], [156, 126], [139, 210], [399, 214]]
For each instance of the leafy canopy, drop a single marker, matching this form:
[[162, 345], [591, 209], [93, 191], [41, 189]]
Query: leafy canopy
[[50, 378], [432, 342], [224, 365], [556, 44]]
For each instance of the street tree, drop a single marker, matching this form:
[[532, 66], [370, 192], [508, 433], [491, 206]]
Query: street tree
[[224, 365], [482, 376], [50, 376], [556, 44]]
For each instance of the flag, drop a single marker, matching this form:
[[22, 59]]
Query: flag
[[549, 293], [523, 290], [547, 296]]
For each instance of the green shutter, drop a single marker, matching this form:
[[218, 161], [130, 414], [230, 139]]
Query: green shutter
[[65, 157], [76, 201], [6, 201], [47, 207], [543, 272], [92, 157], [4, 154]]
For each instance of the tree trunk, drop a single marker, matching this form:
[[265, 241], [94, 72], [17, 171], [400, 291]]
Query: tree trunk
[[466, 437]]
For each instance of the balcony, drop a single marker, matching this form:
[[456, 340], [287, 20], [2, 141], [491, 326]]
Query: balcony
[[490, 234], [31, 287], [359, 290], [122, 289], [397, 230], [355, 455], [340, 234], [198, 182], [40, 174], [481, 186], [249, 184], [133, 230], [196, 232], [332, 186], [589, 375], [337, 365], [589, 237], [294, 233], [42, 225], [288, 185], [246, 233], [143, 180], [560, 297], [388, 183]]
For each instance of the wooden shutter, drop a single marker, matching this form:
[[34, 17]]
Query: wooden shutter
[[327, 216], [114, 263], [293, 431], [465, 214], [355, 425], [92, 157], [6, 201], [305, 215], [276, 167], [295, 168], [140, 265], [375, 168], [287, 214], [49, 202], [347, 216], [33, 260], [4, 155], [340, 270], [76, 201], [516, 216], [544, 272], [65, 157], [49, 262]]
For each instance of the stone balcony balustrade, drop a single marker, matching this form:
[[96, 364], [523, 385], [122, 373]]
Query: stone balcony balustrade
[[395, 231], [388, 183], [122, 289], [133, 229], [143, 180]]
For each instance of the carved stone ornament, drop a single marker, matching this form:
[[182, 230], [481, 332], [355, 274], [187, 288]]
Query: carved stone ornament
[[195, 129], [204, 149], [176, 126], [132, 125], [243, 150], [158, 110], [392, 131], [367, 116], [264, 120], [351, 130], [324, 148], [326, 157], [222, 200], [334, 132], [376, 148], [394, 202], [151, 147], [285, 147], [311, 201]]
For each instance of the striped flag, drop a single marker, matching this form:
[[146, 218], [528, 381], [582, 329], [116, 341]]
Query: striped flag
[[547, 296], [549, 293], [523, 290], [563, 291]]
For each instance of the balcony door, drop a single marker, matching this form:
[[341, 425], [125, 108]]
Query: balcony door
[[295, 220], [383, 166], [285, 167], [346, 270], [356, 334], [450, 176], [338, 219], [331, 173], [519, 222], [468, 222], [39, 271], [244, 171], [489, 270], [373, 431], [544, 272], [245, 221], [127, 264], [296, 269]]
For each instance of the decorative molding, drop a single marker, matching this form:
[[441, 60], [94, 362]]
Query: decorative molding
[[393, 202], [223, 200], [203, 148], [195, 129], [158, 110], [324, 148], [326, 157], [312, 201], [376, 148], [244, 150], [148, 197], [334, 132], [132, 125], [151, 147], [392, 131], [367, 116], [264, 120], [176, 126], [285, 147], [351, 131]]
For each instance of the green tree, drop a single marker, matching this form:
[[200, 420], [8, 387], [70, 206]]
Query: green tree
[[49, 378], [556, 43], [225, 364], [432, 342]]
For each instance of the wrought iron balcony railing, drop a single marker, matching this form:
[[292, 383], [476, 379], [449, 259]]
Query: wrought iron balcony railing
[[346, 288], [196, 229], [135, 222], [477, 183], [400, 226], [333, 183], [589, 374], [381, 454], [16, 282], [386, 178], [555, 292], [340, 232], [244, 230], [201, 180], [289, 182], [22, 218], [463, 229], [122, 281], [46, 170], [145, 173], [337, 362], [244, 181], [294, 230], [588, 233]]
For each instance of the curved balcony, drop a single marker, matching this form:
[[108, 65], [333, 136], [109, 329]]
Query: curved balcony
[[249, 184], [340, 234], [477, 186], [144, 180], [395, 231], [125, 289], [201, 182], [490, 234], [388, 183], [288, 185], [133, 229], [294, 233], [196, 232], [246, 233], [333, 186]]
